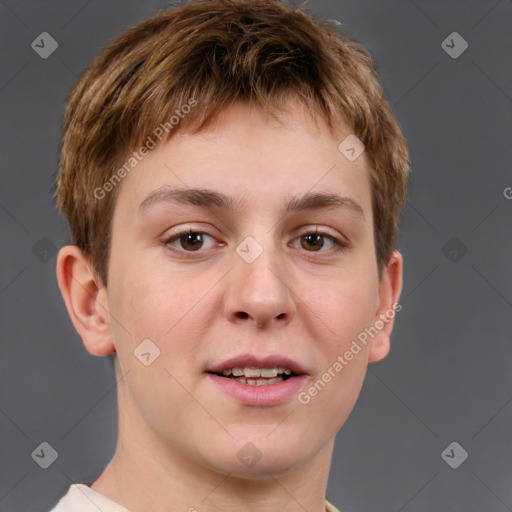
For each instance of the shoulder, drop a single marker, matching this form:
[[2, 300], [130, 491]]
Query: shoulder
[[81, 498], [329, 507]]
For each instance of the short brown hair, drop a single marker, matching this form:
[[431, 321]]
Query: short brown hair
[[215, 53]]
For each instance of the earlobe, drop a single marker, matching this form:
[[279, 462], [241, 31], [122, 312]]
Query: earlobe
[[86, 300], [390, 288]]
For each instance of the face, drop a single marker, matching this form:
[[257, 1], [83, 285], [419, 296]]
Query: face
[[271, 265]]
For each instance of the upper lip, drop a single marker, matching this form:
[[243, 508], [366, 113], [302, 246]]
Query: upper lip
[[252, 361]]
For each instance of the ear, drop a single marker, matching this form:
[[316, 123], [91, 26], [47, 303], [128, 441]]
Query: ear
[[86, 300], [390, 287]]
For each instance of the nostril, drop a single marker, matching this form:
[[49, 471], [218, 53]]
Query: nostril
[[242, 314]]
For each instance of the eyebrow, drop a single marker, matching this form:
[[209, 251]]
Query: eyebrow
[[210, 198]]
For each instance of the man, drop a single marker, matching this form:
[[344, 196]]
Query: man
[[233, 179]]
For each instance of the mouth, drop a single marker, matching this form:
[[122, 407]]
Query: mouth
[[257, 381]]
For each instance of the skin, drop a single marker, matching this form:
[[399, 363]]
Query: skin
[[178, 433]]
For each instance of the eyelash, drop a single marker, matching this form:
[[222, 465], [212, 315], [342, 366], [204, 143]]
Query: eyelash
[[339, 244]]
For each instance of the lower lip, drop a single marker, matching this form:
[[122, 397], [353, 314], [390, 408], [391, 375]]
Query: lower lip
[[265, 395]]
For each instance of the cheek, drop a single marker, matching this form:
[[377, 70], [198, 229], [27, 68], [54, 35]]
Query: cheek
[[342, 359], [149, 303], [346, 306], [340, 308], [145, 298]]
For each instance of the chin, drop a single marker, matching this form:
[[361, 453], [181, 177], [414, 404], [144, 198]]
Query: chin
[[263, 469], [259, 459]]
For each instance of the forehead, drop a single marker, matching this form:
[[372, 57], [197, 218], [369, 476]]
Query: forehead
[[254, 158]]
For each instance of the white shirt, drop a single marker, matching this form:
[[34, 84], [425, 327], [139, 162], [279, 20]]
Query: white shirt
[[81, 498]]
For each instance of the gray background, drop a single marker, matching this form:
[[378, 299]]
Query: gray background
[[449, 375]]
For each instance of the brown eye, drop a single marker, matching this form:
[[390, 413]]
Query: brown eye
[[312, 241], [315, 242], [191, 241]]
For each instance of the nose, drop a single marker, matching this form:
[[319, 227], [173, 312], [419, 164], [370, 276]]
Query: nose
[[260, 292]]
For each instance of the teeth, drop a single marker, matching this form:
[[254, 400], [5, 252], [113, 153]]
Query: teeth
[[258, 382], [267, 373], [252, 372]]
